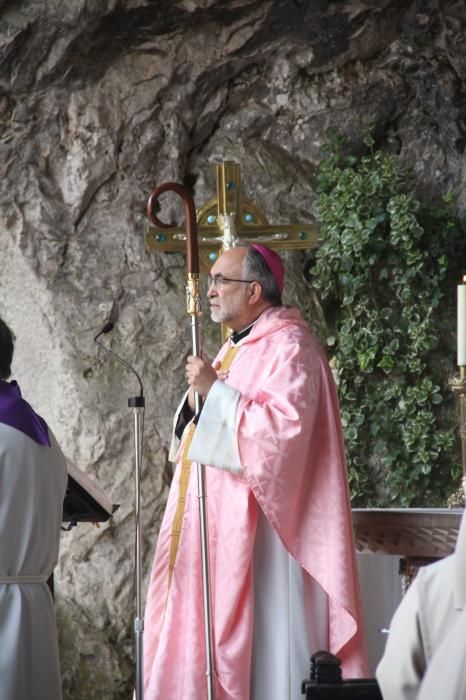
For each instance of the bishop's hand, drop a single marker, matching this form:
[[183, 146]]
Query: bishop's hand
[[200, 375]]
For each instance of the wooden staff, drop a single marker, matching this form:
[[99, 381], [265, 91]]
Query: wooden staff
[[193, 302]]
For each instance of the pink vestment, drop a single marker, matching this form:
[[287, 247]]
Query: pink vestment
[[291, 451]]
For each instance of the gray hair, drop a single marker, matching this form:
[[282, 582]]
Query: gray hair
[[255, 268]]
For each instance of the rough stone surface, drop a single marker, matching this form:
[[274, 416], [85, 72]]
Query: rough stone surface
[[101, 101]]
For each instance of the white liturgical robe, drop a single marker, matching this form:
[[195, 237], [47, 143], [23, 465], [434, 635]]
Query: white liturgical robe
[[33, 480], [429, 618]]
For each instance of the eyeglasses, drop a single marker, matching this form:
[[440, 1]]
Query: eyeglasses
[[219, 280]]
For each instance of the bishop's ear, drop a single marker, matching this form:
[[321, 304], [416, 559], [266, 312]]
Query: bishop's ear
[[255, 292]]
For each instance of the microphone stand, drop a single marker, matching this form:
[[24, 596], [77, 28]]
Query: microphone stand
[[137, 403]]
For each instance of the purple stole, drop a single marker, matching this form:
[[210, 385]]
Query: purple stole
[[17, 413]]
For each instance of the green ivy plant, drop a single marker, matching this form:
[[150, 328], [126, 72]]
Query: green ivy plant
[[386, 270]]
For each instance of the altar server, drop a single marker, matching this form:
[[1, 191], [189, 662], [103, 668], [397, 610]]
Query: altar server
[[33, 478], [430, 614]]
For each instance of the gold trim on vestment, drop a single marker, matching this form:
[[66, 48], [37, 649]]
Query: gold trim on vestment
[[185, 466]]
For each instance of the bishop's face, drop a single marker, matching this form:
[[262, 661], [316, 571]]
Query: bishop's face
[[228, 293]]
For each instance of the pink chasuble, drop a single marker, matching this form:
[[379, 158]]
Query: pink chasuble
[[288, 460]]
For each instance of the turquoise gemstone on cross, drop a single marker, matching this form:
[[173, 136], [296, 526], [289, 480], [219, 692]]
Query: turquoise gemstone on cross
[[302, 235], [161, 237], [211, 219], [230, 185], [213, 256], [248, 218]]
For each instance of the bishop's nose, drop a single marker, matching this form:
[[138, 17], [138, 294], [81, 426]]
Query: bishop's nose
[[211, 288]]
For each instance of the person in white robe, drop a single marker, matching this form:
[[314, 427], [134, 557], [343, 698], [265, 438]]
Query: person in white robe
[[33, 480], [430, 612]]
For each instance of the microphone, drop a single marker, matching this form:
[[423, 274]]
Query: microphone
[[106, 329]]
